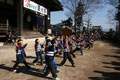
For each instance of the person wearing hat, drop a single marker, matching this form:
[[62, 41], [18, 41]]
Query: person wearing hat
[[20, 55], [38, 51]]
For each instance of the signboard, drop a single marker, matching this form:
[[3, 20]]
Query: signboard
[[35, 7]]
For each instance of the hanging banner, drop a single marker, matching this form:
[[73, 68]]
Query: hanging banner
[[45, 11], [26, 3], [35, 7]]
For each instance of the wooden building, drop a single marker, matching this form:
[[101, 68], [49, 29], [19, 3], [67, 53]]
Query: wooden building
[[26, 15]]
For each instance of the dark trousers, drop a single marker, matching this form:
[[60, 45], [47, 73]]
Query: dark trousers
[[87, 45], [65, 57], [71, 51], [91, 44], [79, 49], [39, 56], [50, 68], [17, 63]]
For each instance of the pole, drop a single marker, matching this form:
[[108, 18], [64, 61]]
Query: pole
[[20, 17]]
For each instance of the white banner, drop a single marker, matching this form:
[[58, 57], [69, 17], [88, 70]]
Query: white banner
[[35, 7]]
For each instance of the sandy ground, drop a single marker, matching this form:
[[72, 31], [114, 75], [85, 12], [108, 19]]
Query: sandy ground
[[100, 63]]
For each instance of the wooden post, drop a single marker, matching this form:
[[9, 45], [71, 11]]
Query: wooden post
[[47, 22], [7, 23], [20, 17]]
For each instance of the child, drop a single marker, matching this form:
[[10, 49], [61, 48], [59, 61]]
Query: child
[[55, 65], [91, 43], [66, 54], [88, 44], [79, 46], [59, 45], [49, 57], [38, 52], [20, 55], [70, 43]]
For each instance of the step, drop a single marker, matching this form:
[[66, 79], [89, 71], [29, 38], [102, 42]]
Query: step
[[1, 44]]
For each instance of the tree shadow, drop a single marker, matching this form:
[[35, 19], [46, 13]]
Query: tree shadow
[[117, 51], [115, 68], [115, 56], [106, 75], [113, 43], [34, 72], [112, 63], [115, 65]]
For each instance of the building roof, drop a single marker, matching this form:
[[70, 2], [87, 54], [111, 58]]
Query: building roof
[[52, 5], [97, 27]]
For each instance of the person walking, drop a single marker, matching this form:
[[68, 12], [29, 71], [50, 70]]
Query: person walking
[[66, 54], [38, 51], [49, 57], [20, 55], [79, 46]]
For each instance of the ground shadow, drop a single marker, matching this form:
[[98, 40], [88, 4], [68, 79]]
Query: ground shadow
[[30, 57], [59, 56], [113, 43], [68, 65], [38, 63], [115, 65], [112, 63], [117, 51], [115, 68], [115, 56], [107, 76], [34, 72]]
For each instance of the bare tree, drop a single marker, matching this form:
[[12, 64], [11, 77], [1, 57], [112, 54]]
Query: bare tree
[[112, 2], [111, 17], [112, 12], [88, 6]]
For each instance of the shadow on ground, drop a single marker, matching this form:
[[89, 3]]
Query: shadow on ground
[[107, 76], [114, 65], [34, 72], [113, 43]]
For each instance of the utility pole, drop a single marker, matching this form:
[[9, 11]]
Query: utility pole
[[88, 23]]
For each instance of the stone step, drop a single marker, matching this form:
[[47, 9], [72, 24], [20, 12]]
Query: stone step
[[1, 44]]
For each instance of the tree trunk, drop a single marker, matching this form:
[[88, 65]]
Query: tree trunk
[[79, 29], [75, 25]]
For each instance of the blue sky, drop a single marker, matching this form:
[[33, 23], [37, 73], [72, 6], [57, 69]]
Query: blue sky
[[98, 18]]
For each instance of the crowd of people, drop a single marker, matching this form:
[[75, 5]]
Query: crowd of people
[[61, 45]]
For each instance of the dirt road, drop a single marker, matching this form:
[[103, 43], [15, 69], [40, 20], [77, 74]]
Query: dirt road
[[100, 63]]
